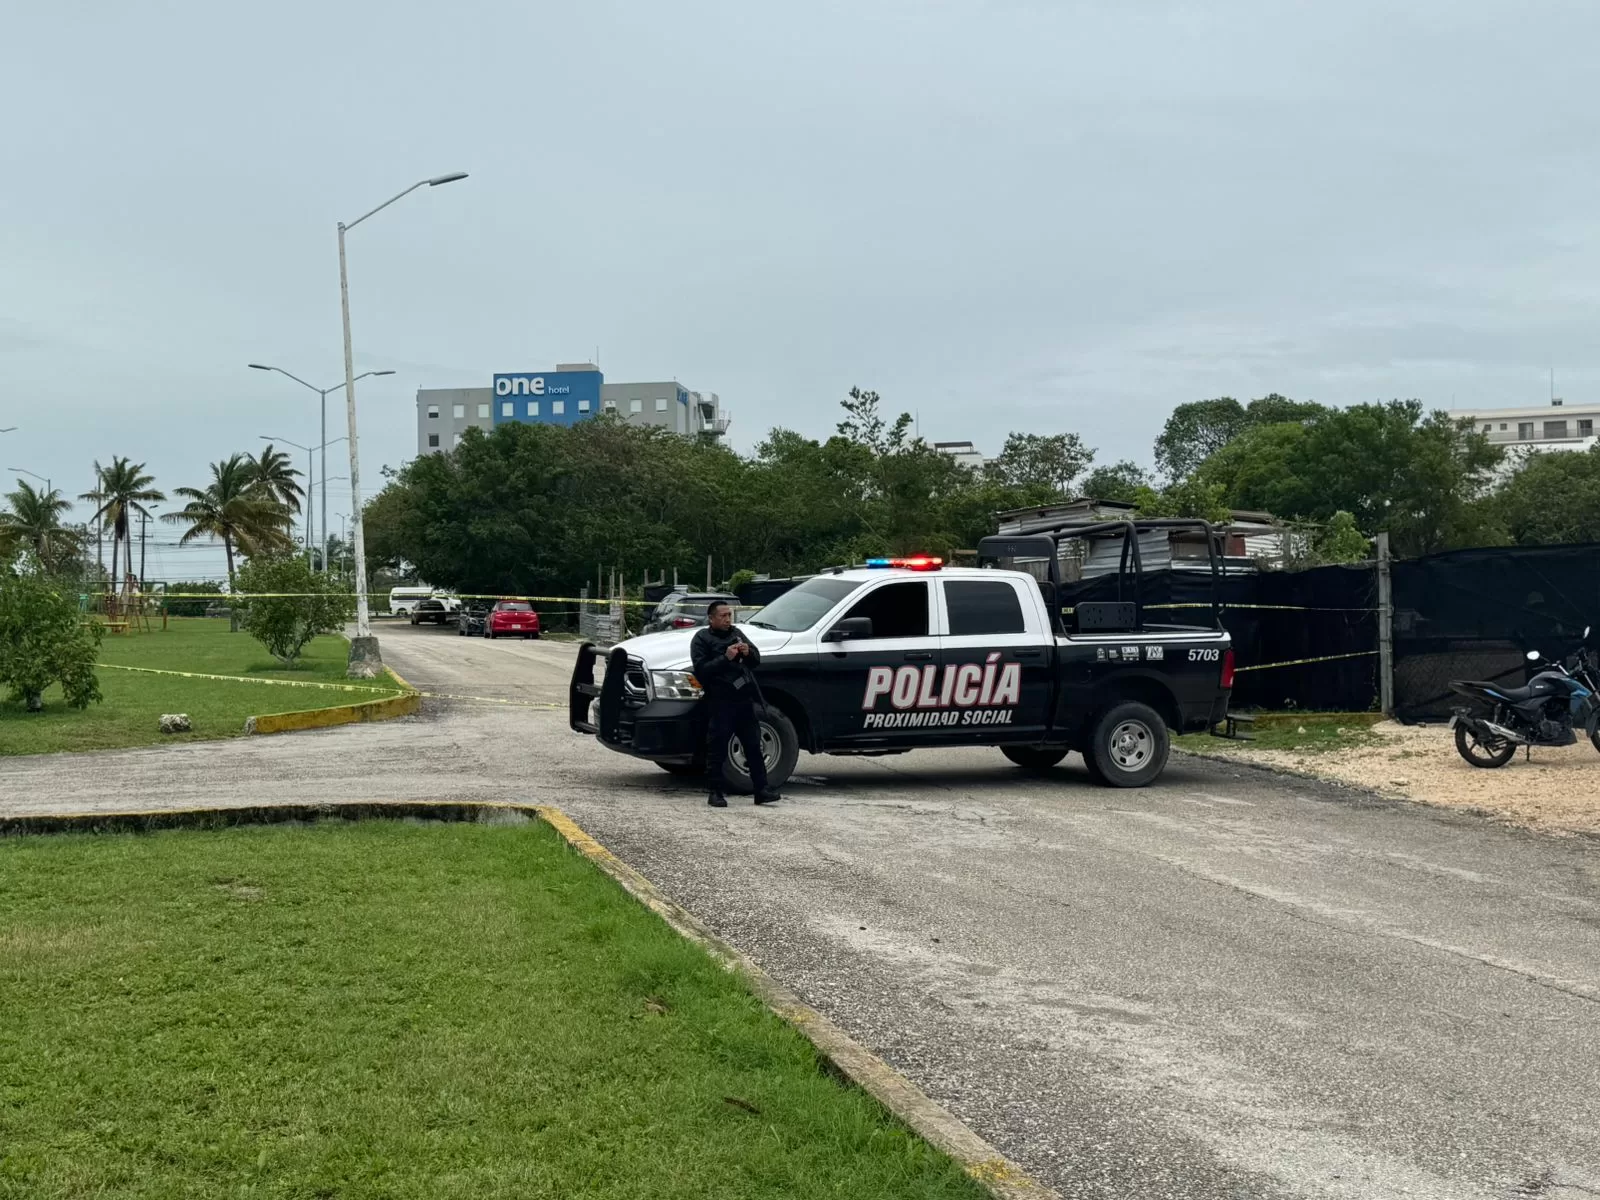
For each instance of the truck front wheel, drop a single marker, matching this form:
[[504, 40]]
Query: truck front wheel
[[1035, 758], [1128, 746], [780, 748]]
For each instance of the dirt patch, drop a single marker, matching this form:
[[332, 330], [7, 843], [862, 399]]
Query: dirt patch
[[1558, 790]]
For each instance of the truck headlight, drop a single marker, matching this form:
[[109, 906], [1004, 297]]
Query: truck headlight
[[675, 685]]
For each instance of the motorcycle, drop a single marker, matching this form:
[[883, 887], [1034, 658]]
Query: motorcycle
[[1548, 711]]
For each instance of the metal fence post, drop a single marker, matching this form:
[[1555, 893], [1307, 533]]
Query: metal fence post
[[1385, 629]]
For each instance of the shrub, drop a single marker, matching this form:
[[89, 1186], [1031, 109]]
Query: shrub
[[44, 640], [288, 604]]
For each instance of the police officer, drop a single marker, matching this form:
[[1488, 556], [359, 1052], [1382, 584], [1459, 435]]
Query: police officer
[[723, 659]]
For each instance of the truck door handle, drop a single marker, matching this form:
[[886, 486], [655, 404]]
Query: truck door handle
[[1025, 653], [919, 656]]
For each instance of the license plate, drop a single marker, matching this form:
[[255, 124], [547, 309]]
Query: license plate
[[1453, 722]]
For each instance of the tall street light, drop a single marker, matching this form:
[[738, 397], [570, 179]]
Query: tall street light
[[25, 471], [365, 661], [332, 479], [323, 393]]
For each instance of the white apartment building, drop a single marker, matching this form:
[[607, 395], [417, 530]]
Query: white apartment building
[[1554, 426], [964, 453]]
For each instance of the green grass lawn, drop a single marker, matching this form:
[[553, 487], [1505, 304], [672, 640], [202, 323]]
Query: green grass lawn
[[134, 702], [1306, 732], [397, 1010]]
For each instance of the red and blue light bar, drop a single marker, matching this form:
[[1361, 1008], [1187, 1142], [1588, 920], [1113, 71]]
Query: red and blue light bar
[[920, 562]]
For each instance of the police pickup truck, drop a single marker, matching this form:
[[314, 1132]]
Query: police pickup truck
[[906, 654]]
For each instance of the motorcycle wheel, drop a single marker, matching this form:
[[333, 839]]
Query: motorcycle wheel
[[1490, 752]]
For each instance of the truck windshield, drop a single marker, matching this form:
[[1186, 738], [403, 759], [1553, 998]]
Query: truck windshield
[[804, 605]]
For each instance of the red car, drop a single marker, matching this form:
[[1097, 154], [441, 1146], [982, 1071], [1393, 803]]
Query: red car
[[511, 617]]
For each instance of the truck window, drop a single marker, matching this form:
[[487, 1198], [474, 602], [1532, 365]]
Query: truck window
[[982, 606], [804, 605], [896, 610]]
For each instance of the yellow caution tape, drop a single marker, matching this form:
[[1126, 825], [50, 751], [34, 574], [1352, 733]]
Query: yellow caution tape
[[299, 683], [338, 687], [1300, 662]]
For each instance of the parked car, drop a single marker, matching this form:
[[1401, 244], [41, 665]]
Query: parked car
[[511, 618], [470, 617], [435, 610], [686, 610]]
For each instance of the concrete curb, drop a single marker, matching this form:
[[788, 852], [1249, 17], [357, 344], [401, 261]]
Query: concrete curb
[[1001, 1177], [406, 704]]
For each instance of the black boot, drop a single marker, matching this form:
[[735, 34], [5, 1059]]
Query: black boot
[[768, 796], [717, 800]]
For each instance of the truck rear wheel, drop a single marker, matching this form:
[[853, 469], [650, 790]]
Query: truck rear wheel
[[1128, 746], [780, 748], [1035, 758]]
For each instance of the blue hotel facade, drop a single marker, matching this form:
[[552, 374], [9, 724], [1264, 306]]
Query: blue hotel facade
[[570, 393]]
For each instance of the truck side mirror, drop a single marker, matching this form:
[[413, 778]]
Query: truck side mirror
[[850, 629]]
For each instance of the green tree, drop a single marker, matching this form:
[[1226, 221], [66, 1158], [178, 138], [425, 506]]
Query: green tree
[[232, 508], [34, 519], [43, 641], [1186, 498], [1339, 541], [290, 604], [1049, 461], [1196, 431], [121, 491], [272, 474], [1551, 498], [1120, 482], [1423, 478]]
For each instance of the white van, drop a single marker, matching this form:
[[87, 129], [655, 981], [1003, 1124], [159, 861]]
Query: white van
[[403, 600]]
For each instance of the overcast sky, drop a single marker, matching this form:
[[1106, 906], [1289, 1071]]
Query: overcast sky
[[1005, 215]]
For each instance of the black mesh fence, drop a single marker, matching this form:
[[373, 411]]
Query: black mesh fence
[[1474, 614], [1302, 639]]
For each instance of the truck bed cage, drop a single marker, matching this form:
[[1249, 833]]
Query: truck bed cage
[[1046, 544]]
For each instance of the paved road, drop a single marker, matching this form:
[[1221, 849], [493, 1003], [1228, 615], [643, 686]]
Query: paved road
[[1228, 985]]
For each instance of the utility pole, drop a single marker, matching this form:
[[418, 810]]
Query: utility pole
[[1385, 629], [144, 521]]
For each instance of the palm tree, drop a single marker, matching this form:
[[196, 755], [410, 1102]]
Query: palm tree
[[35, 518], [234, 508], [122, 490], [270, 471]]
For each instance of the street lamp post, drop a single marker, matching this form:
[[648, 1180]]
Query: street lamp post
[[333, 479], [365, 661], [24, 471], [310, 473], [323, 393]]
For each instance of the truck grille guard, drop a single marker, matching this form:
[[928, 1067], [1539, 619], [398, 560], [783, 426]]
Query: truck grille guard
[[626, 685]]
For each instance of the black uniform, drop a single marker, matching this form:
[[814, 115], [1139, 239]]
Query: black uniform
[[730, 691]]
